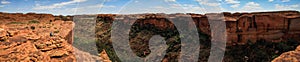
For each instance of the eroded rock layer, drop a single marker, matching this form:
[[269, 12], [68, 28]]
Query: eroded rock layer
[[44, 37], [241, 27], [250, 36], [39, 41], [291, 56]]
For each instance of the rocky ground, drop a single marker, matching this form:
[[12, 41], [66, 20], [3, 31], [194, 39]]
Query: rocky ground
[[36, 41], [40, 39]]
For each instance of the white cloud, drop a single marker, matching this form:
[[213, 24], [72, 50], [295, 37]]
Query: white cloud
[[285, 0], [271, 0], [170, 0], [90, 9], [191, 8], [235, 5], [208, 2], [99, 6], [4, 2], [232, 1], [79, 10], [57, 5], [251, 6], [286, 7], [194, 9], [168, 9]]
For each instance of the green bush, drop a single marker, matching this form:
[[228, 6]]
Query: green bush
[[33, 21], [15, 23]]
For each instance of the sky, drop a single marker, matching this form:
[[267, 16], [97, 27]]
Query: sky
[[79, 7]]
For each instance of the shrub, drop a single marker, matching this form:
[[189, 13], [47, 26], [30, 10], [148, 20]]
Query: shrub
[[15, 23], [33, 21]]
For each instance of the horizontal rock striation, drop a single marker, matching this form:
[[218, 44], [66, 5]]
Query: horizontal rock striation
[[241, 27], [45, 37]]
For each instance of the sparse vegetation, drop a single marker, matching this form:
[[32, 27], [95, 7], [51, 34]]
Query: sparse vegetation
[[16, 23], [64, 18], [33, 21], [262, 51]]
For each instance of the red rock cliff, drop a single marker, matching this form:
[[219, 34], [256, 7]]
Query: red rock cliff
[[241, 27]]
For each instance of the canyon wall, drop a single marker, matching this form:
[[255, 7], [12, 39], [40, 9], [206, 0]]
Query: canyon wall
[[266, 31], [241, 27], [45, 37]]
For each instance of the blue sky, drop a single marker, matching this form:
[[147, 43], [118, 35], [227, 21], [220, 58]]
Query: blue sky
[[71, 7]]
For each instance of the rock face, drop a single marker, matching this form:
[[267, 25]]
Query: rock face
[[44, 37], [241, 27], [272, 26], [82, 56], [291, 56], [32, 42]]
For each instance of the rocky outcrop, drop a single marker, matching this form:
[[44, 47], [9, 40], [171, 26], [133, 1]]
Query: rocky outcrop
[[291, 56], [269, 26], [241, 27], [24, 18], [48, 42], [44, 37], [82, 56]]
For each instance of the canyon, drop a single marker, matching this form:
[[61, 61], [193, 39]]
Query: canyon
[[45, 37], [240, 27]]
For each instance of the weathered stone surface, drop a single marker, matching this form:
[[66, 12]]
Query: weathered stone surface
[[82, 56], [22, 43], [269, 26], [44, 37], [240, 27], [294, 24], [3, 34], [291, 56]]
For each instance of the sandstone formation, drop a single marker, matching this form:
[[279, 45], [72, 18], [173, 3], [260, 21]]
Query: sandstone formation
[[269, 26], [291, 56], [241, 27], [45, 37], [82, 56], [20, 17], [36, 41]]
